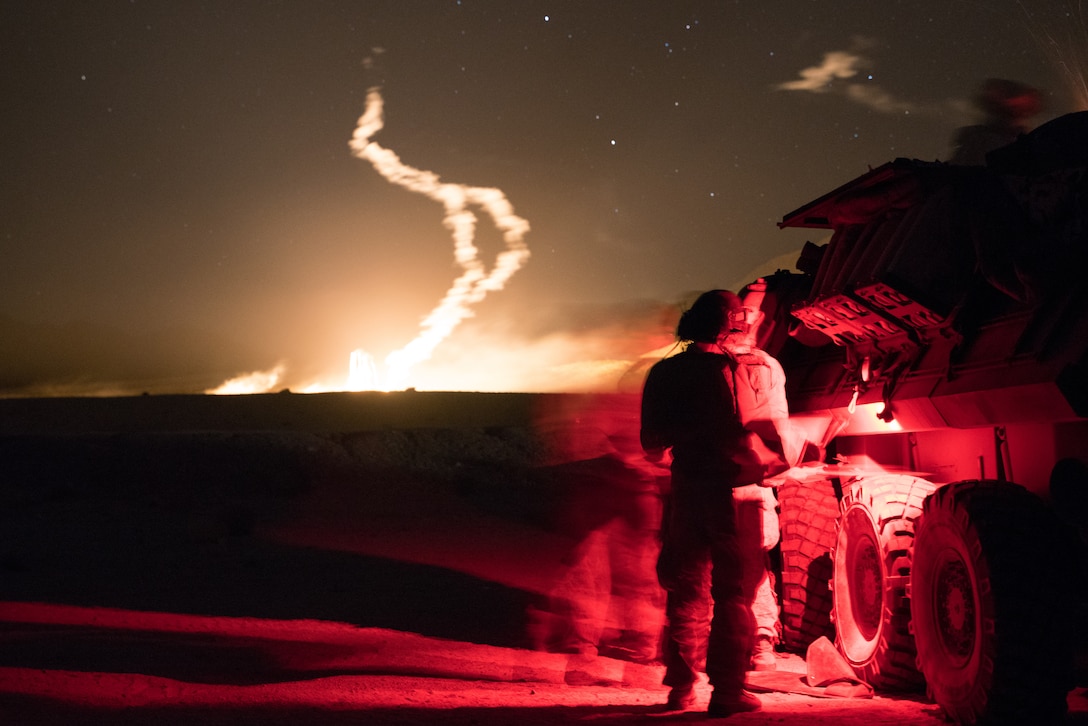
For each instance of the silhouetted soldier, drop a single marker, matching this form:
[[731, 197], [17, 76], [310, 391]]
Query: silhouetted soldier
[[689, 410]]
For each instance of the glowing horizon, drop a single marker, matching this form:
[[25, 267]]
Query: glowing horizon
[[468, 289]]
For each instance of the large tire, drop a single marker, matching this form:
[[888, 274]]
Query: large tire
[[988, 608], [872, 569], [807, 516]]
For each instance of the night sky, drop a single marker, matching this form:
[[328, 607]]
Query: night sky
[[180, 205]]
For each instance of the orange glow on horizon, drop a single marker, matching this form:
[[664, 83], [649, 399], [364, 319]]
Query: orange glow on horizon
[[598, 358], [556, 369], [468, 289], [255, 382]]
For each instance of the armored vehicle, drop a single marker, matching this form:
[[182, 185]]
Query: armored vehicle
[[941, 336]]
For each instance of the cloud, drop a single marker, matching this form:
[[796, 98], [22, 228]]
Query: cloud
[[844, 73], [878, 99], [834, 75], [818, 79]]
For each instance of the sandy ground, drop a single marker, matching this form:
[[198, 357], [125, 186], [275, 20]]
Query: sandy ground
[[66, 664], [392, 574], [103, 666]]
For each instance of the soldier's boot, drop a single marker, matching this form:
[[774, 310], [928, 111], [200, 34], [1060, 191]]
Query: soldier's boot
[[763, 655]]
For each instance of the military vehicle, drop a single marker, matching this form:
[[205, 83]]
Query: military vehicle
[[942, 334]]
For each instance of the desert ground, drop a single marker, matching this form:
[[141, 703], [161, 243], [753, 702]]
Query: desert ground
[[367, 558]]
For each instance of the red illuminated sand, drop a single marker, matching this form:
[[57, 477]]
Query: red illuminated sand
[[254, 671], [168, 561]]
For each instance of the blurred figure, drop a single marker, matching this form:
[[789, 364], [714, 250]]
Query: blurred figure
[[1006, 106], [606, 600], [689, 412]]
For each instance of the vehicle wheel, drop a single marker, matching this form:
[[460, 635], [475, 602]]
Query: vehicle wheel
[[872, 568], [807, 516], [988, 608]]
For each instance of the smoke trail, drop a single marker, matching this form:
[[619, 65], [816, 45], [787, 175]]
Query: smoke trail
[[475, 282]]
